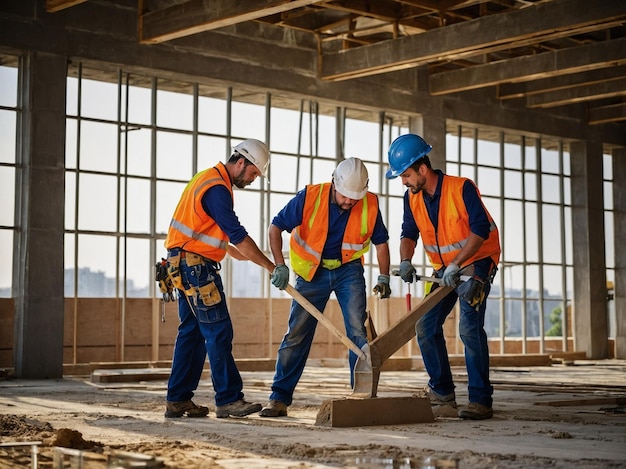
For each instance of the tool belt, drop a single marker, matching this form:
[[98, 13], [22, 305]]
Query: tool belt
[[209, 293]]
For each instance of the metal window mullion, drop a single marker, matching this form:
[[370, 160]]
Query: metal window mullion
[[540, 244], [524, 253], [153, 173], [564, 321], [502, 217], [118, 259], [76, 202]]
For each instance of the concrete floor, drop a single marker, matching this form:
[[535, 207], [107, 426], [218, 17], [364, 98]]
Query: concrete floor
[[561, 416]]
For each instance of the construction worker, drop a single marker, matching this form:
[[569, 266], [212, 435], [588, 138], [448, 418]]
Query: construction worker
[[457, 231], [203, 229], [332, 226]]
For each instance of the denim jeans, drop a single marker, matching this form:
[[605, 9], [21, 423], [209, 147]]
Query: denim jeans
[[348, 283], [432, 343], [203, 330]]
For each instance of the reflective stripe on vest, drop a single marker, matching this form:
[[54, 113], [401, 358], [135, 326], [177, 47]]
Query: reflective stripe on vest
[[307, 240], [191, 228], [453, 226]]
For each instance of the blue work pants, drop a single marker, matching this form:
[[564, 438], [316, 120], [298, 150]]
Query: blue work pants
[[348, 284], [432, 343], [203, 330]]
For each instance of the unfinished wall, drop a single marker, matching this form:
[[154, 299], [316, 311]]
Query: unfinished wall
[[103, 330]]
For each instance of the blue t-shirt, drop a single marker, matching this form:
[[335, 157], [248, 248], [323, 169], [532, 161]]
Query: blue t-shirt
[[291, 216]]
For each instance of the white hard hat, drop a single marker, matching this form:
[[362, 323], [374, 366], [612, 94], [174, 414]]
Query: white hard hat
[[351, 178], [256, 152]]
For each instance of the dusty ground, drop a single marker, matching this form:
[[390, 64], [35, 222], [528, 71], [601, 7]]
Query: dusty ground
[[558, 417]]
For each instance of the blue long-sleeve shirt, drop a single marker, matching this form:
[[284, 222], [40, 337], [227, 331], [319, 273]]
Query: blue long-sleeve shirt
[[218, 204], [290, 217]]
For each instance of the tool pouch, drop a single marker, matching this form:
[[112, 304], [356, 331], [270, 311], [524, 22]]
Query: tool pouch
[[173, 271], [209, 294], [163, 280], [472, 291]]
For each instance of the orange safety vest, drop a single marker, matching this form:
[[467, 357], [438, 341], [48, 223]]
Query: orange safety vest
[[443, 245], [191, 228], [308, 239]]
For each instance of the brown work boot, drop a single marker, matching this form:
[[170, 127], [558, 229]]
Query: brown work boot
[[178, 409], [238, 408], [437, 399], [274, 409], [476, 411]]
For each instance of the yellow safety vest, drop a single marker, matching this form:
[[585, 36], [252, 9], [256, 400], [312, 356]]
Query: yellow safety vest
[[308, 239]]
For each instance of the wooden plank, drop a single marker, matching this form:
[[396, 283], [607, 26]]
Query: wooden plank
[[380, 411]]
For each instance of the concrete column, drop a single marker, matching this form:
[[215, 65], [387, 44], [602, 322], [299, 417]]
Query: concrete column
[[619, 207], [590, 302], [432, 129], [38, 349]]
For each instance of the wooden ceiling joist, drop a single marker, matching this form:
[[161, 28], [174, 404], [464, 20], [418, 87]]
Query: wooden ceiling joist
[[478, 36], [578, 94], [605, 114], [53, 6], [195, 16], [532, 67]]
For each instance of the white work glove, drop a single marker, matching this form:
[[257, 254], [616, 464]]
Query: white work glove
[[451, 275]]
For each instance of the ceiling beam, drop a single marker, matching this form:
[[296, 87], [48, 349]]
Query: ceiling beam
[[519, 90], [547, 64], [53, 6], [475, 37], [195, 16], [578, 94], [604, 114]]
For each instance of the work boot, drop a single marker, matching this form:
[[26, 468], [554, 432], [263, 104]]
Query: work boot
[[274, 409], [178, 409], [440, 399], [476, 411], [238, 408]]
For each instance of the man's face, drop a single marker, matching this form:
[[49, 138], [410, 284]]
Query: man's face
[[345, 203], [414, 180], [246, 174]]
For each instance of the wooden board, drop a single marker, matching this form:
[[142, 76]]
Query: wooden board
[[380, 411]]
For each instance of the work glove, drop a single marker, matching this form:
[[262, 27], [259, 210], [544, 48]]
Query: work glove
[[407, 271], [382, 287], [451, 275], [280, 276]]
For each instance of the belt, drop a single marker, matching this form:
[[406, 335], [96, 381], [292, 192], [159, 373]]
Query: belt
[[191, 258], [331, 264]]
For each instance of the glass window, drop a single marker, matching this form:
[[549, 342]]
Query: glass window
[[174, 105], [7, 196], [137, 266], [97, 202], [6, 277], [551, 235], [248, 120], [98, 146], [7, 135], [174, 154], [362, 139], [212, 150], [99, 100], [138, 151], [139, 101], [212, 114], [488, 152], [97, 270], [137, 207], [167, 197], [8, 88], [513, 184]]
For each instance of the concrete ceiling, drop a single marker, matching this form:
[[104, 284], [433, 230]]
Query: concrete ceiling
[[525, 53]]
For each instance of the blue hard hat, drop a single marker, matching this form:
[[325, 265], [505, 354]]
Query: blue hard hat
[[404, 151]]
